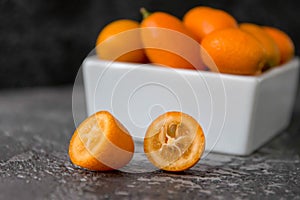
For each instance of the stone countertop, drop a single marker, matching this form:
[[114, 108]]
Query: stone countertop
[[36, 126]]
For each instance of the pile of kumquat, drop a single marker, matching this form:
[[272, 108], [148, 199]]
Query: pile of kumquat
[[234, 48]]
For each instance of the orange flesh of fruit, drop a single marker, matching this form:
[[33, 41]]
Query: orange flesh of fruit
[[174, 142]]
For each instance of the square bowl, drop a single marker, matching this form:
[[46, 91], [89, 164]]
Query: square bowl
[[238, 114]]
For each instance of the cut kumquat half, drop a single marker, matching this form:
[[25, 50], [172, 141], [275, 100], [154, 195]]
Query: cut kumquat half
[[174, 142], [101, 143]]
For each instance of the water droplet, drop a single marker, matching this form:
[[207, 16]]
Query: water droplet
[[20, 176]]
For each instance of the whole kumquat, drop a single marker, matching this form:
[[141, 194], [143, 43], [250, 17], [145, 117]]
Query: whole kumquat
[[202, 20], [270, 46], [284, 43], [120, 41], [168, 42], [233, 51]]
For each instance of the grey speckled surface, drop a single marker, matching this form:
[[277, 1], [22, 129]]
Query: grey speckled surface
[[35, 128]]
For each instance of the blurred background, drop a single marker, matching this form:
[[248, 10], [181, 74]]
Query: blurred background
[[43, 43]]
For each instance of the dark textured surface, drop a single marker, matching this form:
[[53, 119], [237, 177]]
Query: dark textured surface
[[44, 42], [35, 128]]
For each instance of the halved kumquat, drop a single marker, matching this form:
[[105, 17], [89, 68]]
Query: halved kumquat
[[174, 142], [101, 143]]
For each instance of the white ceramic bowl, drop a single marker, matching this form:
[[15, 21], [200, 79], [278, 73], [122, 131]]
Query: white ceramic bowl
[[237, 113]]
